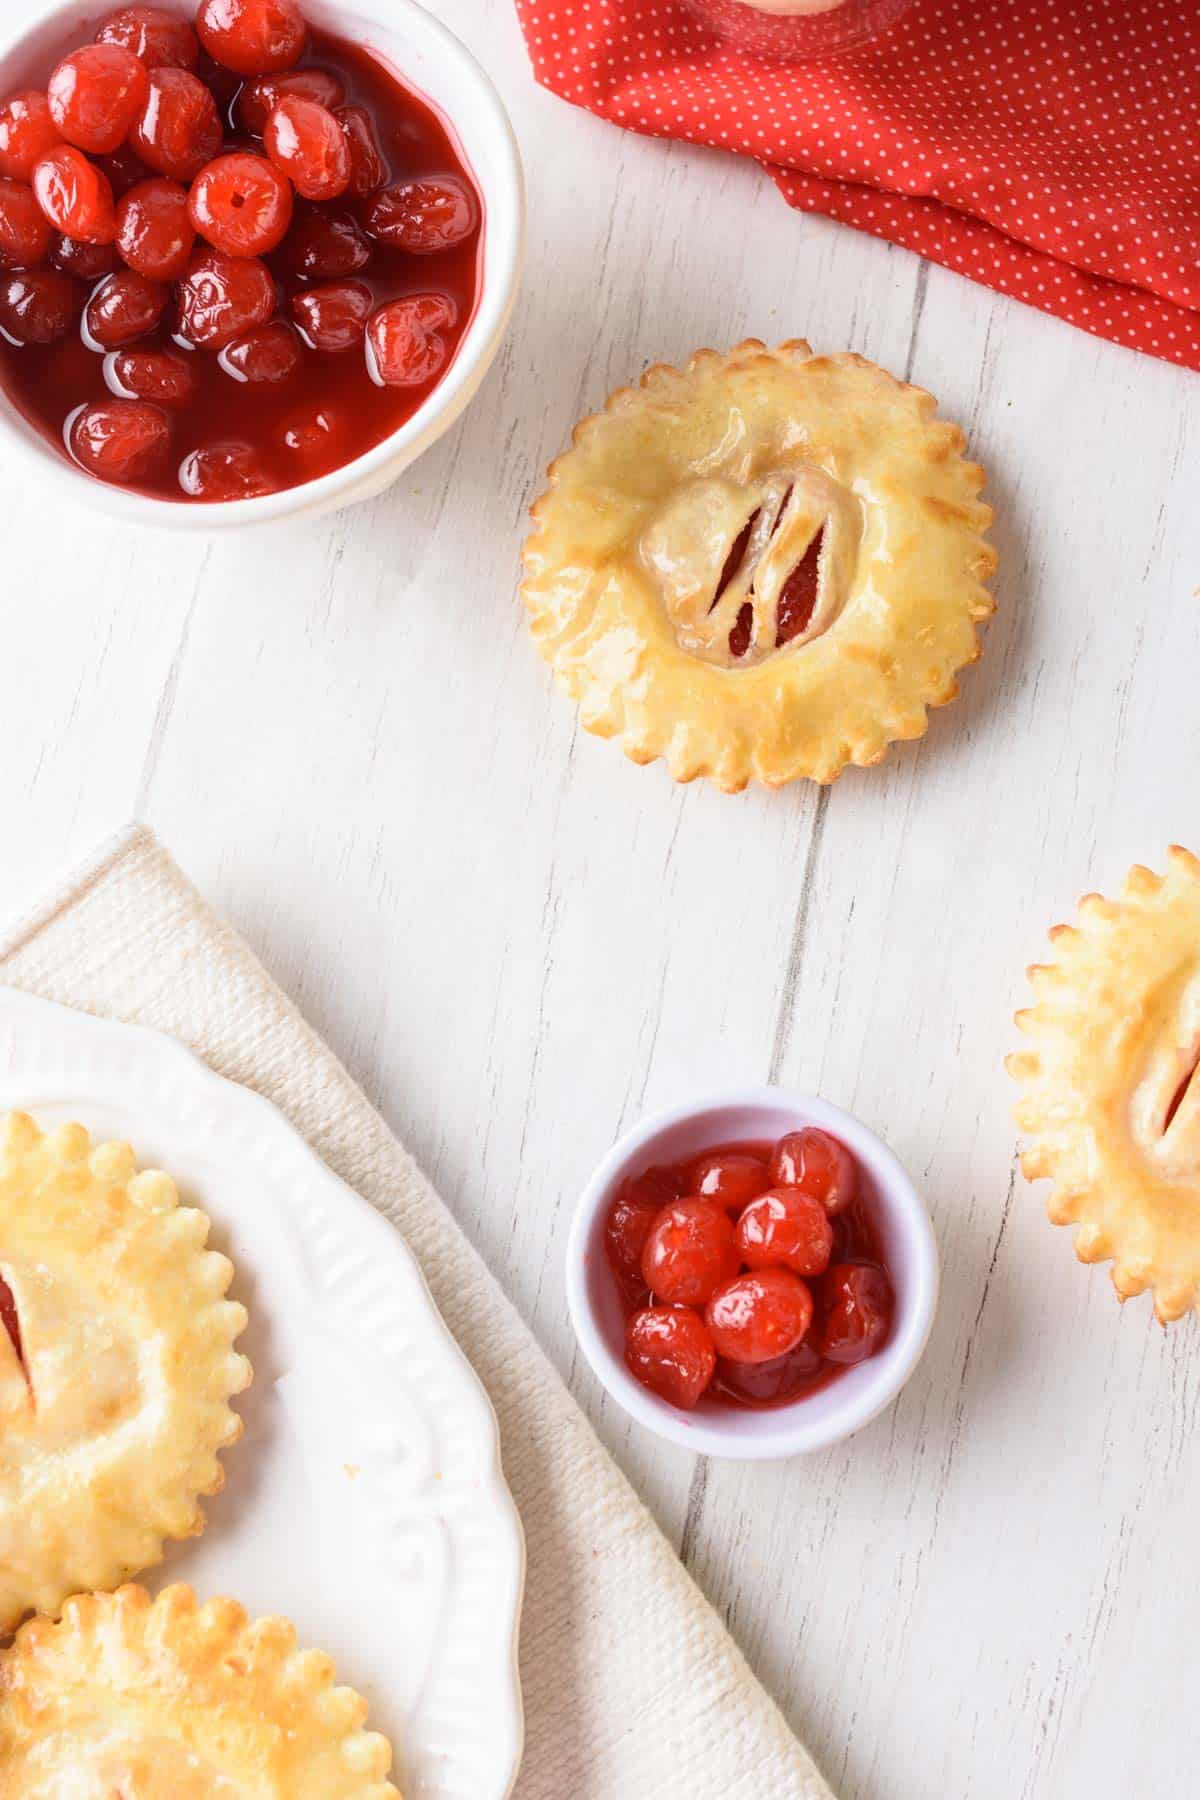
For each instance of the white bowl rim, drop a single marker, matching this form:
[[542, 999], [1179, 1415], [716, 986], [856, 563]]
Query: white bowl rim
[[505, 218], [791, 1434]]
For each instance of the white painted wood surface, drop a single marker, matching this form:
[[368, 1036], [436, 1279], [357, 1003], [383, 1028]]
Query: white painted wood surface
[[518, 941]]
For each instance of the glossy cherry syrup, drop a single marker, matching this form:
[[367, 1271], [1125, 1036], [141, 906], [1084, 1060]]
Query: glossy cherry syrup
[[316, 405], [797, 1248]]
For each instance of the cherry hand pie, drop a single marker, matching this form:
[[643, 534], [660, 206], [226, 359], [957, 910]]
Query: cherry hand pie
[[116, 1367], [124, 1699], [1112, 1083], [765, 565]]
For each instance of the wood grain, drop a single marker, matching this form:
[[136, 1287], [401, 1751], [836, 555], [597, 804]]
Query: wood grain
[[518, 941]]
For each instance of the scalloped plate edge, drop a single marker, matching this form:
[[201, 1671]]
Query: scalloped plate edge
[[78, 1037]]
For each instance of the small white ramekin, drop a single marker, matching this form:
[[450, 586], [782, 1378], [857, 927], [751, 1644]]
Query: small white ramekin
[[833, 1412], [431, 60]]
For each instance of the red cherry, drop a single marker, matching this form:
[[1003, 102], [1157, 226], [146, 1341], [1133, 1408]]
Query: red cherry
[[154, 229], [856, 1312], [179, 129], [315, 435], [241, 204], [38, 306], [225, 472], [689, 1253], [670, 1352], [149, 375], [367, 168], [760, 1316], [730, 1177], [423, 216], [87, 262], [818, 1164], [269, 353], [660, 1183], [322, 245], [75, 196], [123, 308], [26, 133], [305, 140], [253, 37], [258, 99], [124, 169], [96, 94], [223, 297], [222, 84], [24, 232], [786, 1229], [120, 440], [334, 315], [160, 40], [628, 1225], [404, 345], [778, 1379]]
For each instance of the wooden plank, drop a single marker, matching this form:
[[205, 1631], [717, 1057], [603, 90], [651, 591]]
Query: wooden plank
[[518, 941]]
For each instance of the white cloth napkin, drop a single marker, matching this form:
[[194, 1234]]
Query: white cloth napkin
[[633, 1688]]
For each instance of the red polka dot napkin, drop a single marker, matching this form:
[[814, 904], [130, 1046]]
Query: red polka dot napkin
[[1047, 148]]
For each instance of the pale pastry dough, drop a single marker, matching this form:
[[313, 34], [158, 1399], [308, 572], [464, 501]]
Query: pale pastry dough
[[1112, 1085], [656, 573], [112, 1415], [170, 1701]]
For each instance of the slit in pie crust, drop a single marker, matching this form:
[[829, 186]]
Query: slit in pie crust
[[116, 1366], [767, 565], [1111, 1097], [167, 1700]]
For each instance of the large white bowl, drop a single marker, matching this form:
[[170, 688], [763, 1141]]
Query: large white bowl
[[833, 1412], [431, 60]]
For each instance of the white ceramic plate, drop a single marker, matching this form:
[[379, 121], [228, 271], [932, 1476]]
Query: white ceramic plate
[[366, 1500]]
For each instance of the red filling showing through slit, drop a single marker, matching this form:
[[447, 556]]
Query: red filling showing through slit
[[743, 627], [1182, 1093], [797, 598], [733, 561], [10, 1320]]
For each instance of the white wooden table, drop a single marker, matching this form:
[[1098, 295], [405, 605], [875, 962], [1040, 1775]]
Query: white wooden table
[[518, 941]]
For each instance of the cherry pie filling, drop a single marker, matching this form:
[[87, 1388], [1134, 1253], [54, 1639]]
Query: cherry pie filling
[[10, 1322], [797, 598], [1190, 1060], [754, 561], [279, 238], [753, 1275]]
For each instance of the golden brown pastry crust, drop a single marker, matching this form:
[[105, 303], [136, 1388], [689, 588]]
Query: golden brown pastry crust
[[112, 1417], [1111, 1090], [632, 587], [171, 1701]]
